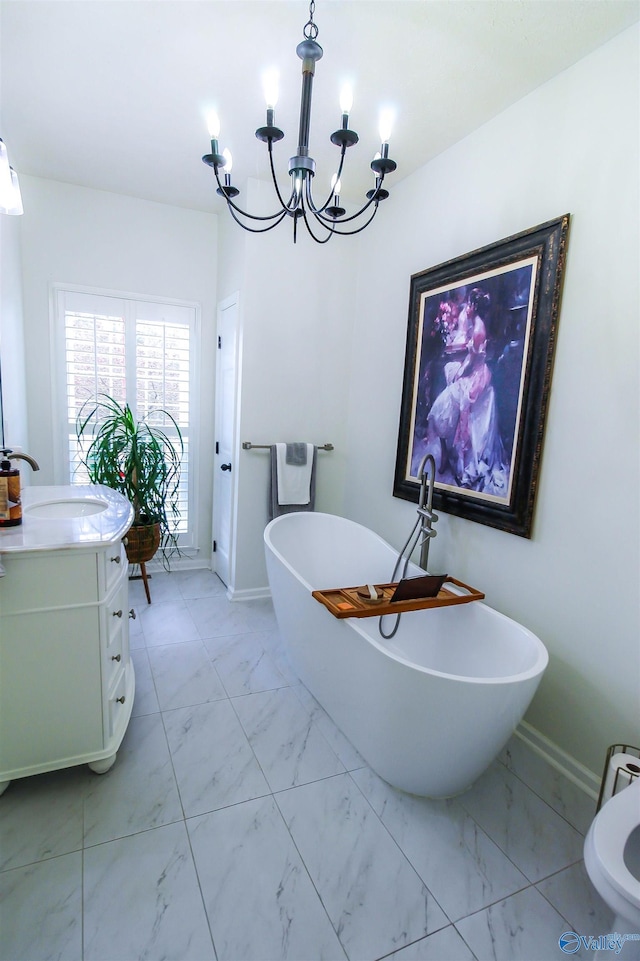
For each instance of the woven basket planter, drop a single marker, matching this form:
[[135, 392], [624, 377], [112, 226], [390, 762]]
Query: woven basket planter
[[141, 543]]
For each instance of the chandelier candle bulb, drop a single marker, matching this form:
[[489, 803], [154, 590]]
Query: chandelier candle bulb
[[213, 124], [346, 99], [346, 103], [270, 88], [384, 129], [336, 210]]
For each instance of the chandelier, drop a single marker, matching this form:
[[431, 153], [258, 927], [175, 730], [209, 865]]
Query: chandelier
[[330, 218]]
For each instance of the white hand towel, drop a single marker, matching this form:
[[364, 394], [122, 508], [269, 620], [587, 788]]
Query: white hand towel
[[294, 481]]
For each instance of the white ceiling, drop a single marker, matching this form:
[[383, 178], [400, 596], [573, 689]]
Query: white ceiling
[[113, 94]]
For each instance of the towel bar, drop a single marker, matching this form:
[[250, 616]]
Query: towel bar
[[247, 445]]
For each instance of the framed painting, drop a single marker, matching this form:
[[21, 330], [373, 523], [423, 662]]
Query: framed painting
[[478, 363]]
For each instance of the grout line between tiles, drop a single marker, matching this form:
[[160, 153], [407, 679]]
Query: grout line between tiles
[[204, 903], [304, 864], [403, 853]]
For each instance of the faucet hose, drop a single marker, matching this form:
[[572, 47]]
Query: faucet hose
[[405, 554]]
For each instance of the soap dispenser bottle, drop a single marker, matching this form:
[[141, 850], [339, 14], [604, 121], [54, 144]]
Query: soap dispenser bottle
[[10, 505]]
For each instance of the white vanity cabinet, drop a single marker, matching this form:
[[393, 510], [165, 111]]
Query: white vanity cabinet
[[66, 678]]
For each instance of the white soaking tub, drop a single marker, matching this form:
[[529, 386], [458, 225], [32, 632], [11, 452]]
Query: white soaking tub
[[430, 708]]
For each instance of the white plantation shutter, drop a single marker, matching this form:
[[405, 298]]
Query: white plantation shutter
[[136, 352], [163, 381], [94, 364]]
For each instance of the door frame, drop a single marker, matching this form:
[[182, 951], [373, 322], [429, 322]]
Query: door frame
[[230, 301]]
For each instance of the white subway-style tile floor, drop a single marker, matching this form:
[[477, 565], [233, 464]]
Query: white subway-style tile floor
[[239, 824]]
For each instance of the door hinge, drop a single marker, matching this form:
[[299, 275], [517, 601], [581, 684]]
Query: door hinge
[[219, 343], [217, 447], [215, 546]]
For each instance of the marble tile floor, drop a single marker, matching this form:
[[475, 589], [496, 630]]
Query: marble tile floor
[[239, 824]]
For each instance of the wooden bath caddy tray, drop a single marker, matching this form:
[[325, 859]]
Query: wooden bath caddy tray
[[346, 602]]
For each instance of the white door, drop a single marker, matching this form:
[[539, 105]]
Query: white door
[[224, 478]]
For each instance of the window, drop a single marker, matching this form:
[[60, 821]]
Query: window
[[138, 352]]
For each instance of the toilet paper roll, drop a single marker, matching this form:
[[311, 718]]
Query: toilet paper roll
[[622, 770]]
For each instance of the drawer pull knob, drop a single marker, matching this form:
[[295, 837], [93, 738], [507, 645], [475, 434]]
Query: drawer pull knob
[[116, 657], [120, 700], [132, 614], [117, 613], [115, 560]]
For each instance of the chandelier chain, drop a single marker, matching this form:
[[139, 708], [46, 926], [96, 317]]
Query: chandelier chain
[[310, 30]]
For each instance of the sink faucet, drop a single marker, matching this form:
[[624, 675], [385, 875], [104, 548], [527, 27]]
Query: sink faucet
[[8, 454], [428, 518]]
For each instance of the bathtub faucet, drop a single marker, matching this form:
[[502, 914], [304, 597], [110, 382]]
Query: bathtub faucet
[[427, 517]]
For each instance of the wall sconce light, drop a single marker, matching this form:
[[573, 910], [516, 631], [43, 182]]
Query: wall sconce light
[[10, 197]]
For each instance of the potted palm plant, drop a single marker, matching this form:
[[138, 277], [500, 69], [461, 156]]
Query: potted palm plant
[[142, 461]]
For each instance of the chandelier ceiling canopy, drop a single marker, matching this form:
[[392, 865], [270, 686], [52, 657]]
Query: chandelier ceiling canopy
[[323, 221]]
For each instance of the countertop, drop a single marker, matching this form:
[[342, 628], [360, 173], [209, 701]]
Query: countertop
[[44, 534]]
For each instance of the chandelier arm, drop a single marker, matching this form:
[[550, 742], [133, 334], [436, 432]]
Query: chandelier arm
[[244, 213], [308, 226], [346, 220], [256, 230], [290, 205], [312, 206], [350, 233]]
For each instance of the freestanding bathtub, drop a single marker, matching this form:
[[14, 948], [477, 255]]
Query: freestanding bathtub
[[429, 709]]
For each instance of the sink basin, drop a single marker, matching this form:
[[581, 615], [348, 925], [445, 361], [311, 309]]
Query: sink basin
[[66, 508]]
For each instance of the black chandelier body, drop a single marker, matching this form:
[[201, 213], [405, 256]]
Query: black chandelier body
[[330, 218]]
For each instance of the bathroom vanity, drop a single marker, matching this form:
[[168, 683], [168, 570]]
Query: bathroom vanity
[[66, 678]]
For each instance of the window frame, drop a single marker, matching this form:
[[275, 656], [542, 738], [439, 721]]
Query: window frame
[[124, 304]]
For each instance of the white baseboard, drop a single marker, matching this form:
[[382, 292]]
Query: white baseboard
[[560, 759], [249, 594], [182, 563]]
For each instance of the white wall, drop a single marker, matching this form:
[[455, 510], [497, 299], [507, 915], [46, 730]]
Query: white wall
[[571, 146], [297, 310], [232, 260], [74, 235]]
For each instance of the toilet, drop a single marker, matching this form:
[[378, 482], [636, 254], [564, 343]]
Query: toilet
[[612, 860]]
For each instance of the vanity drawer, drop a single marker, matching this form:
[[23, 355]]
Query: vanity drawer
[[116, 613], [117, 708], [112, 564], [114, 656]]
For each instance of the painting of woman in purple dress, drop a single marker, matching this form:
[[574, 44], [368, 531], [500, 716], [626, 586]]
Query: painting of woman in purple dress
[[473, 338]]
